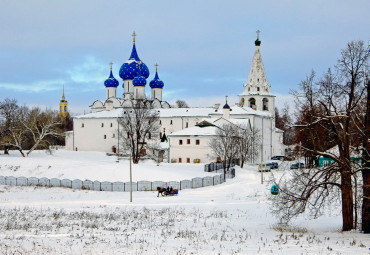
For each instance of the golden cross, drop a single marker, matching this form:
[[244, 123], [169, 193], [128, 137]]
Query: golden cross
[[133, 36], [226, 98], [258, 34], [156, 67], [111, 64]]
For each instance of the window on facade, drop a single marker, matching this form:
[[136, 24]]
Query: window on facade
[[82, 125], [180, 142], [111, 124], [65, 108], [188, 141], [150, 135], [160, 122], [197, 142], [187, 160], [180, 160], [258, 88], [258, 80], [114, 135], [61, 108], [160, 135], [265, 103], [105, 136], [102, 125], [128, 135], [171, 122], [187, 124], [252, 103]]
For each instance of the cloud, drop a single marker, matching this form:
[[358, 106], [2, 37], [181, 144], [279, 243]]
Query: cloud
[[36, 86], [281, 100], [91, 70]]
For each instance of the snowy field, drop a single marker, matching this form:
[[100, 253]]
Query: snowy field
[[93, 166], [231, 218]]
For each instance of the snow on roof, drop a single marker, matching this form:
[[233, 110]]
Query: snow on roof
[[278, 130], [178, 112], [186, 112], [115, 113], [196, 131]]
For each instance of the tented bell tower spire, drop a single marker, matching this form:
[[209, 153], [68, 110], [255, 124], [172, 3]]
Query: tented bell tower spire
[[257, 94]]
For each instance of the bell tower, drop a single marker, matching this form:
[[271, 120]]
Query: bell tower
[[63, 106], [257, 94]]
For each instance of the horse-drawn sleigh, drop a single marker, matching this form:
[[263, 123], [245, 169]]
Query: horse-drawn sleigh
[[167, 191]]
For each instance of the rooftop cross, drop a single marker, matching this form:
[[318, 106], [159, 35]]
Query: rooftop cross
[[133, 36], [258, 34], [226, 98], [111, 64], [156, 67]]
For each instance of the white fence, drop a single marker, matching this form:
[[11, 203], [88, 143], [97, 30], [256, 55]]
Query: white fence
[[219, 168], [112, 186]]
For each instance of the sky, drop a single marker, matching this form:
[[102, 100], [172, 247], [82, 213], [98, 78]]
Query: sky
[[204, 48]]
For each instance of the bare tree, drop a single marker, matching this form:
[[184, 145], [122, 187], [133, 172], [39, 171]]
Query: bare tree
[[366, 166], [330, 114], [23, 128], [248, 144], [13, 133], [138, 124], [224, 144], [181, 104], [41, 125]]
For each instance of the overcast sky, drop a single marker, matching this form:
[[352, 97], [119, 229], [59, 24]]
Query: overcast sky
[[204, 48]]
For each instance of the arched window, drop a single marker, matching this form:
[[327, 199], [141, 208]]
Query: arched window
[[65, 108], [242, 102], [265, 103], [252, 103]]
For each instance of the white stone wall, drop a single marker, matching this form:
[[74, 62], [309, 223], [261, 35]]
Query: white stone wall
[[190, 151], [111, 92], [69, 140], [156, 93], [91, 135], [173, 124]]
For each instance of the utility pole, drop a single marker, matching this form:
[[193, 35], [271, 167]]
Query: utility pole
[[130, 178], [262, 169]]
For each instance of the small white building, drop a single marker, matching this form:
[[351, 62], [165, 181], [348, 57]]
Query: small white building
[[99, 130]]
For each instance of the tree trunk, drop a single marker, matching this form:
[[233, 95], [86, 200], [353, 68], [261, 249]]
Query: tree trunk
[[366, 170], [366, 200], [347, 200]]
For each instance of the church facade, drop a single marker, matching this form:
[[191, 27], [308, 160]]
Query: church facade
[[99, 130]]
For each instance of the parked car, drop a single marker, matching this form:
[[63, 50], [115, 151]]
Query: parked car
[[263, 168], [277, 158], [273, 165], [296, 165]]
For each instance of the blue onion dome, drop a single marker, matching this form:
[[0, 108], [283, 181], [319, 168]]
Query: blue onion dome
[[139, 80], [111, 81], [130, 69], [156, 83]]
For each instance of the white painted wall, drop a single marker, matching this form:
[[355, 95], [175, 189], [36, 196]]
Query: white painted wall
[[156, 94], [111, 92], [190, 151], [90, 135]]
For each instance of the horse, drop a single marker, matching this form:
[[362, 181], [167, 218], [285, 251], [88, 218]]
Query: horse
[[162, 191]]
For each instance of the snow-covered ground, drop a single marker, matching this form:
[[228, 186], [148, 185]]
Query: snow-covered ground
[[93, 166], [231, 218]]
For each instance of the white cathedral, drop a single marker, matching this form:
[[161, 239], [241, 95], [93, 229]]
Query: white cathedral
[[188, 142]]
